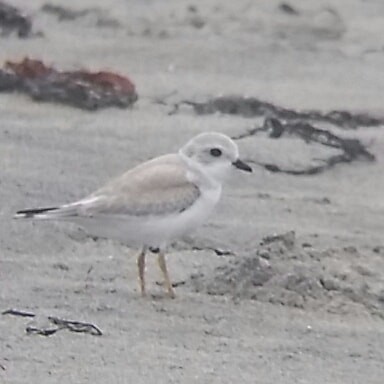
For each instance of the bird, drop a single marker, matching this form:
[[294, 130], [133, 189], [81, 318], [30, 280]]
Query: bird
[[157, 202]]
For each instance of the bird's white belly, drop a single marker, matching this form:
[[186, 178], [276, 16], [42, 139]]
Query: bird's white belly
[[153, 231]]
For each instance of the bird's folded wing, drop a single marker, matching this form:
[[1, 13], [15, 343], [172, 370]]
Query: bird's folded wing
[[157, 187]]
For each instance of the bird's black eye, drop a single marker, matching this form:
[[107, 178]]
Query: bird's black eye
[[216, 152]]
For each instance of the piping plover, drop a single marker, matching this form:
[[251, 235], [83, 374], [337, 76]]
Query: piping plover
[[156, 202]]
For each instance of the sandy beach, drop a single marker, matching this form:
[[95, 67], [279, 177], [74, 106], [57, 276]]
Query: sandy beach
[[285, 282]]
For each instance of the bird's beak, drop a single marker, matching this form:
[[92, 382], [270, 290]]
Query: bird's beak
[[241, 165]]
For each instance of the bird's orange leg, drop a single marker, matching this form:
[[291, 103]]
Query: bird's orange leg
[[167, 281], [141, 268]]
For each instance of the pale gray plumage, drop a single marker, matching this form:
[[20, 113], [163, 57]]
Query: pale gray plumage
[[156, 187]]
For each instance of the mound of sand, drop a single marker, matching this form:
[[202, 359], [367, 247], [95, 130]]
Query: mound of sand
[[284, 272]]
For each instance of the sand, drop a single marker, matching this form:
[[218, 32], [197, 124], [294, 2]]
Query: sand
[[306, 307]]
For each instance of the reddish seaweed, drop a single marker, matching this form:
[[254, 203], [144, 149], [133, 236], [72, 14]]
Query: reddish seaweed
[[81, 88]]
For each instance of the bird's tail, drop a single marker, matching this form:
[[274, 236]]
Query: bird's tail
[[36, 213], [51, 213]]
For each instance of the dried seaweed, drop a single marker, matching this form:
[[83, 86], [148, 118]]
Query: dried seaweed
[[55, 324], [12, 20], [16, 312], [253, 107], [288, 9], [351, 149], [81, 88], [68, 14], [65, 13]]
